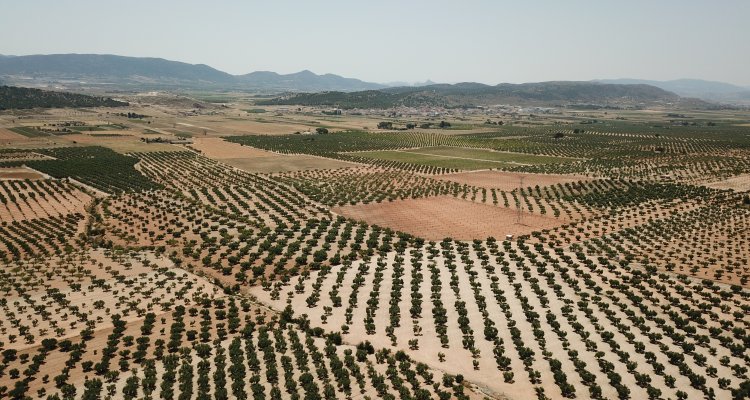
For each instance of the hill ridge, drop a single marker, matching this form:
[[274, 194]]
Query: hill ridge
[[24, 98], [101, 69], [472, 94]]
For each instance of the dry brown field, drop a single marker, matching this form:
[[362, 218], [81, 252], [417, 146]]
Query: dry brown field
[[9, 137], [440, 217], [254, 160], [509, 181], [740, 183], [249, 127], [128, 143], [19, 174]]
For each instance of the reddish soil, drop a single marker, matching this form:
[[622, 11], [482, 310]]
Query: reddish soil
[[436, 218], [10, 136]]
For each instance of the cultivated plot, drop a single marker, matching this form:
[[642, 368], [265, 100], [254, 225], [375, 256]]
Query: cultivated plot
[[510, 181], [254, 160], [440, 217]]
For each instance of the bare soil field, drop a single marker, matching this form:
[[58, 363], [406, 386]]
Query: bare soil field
[[245, 127], [436, 218], [239, 122], [738, 183], [254, 160], [120, 144], [218, 148], [509, 181], [19, 174], [8, 136]]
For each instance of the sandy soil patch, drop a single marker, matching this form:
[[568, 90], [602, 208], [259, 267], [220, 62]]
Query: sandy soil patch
[[19, 174], [436, 218], [255, 160], [739, 183], [509, 181]]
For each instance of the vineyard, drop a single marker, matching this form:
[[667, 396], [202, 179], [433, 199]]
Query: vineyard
[[584, 264]]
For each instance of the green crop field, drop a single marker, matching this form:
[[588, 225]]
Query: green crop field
[[29, 131], [90, 128]]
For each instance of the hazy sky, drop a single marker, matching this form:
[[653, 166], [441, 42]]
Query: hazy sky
[[383, 40]]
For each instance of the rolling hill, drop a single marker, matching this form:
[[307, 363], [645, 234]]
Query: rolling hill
[[110, 69], [81, 72], [477, 94], [73, 70], [698, 88], [304, 80], [23, 98]]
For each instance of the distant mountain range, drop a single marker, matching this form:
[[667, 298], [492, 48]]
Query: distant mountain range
[[697, 88], [99, 70], [565, 93], [304, 81], [413, 84]]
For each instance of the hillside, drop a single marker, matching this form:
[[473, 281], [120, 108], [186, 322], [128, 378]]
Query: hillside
[[110, 68], [143, 73], [23, 98], [476, 94], [698, 88], [304, 80]]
